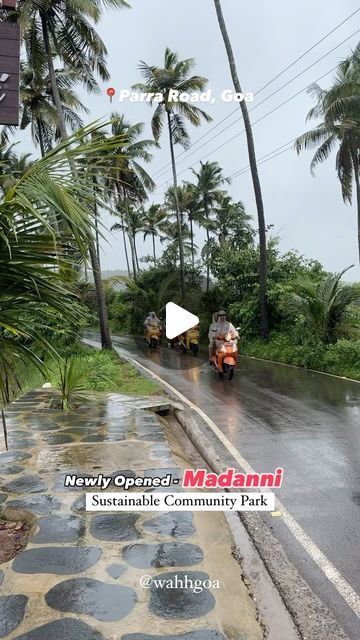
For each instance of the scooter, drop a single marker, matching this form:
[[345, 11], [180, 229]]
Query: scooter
[[226, 360], [153, 335], [192, 340]]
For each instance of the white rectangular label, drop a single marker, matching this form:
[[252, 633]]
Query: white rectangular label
[[175, 501]]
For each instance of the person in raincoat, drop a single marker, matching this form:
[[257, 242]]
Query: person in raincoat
[[151, 319], [212, 334], [221, 328]]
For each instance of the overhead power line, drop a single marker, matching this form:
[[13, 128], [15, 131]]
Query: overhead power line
[[160, 171], [239, 118]]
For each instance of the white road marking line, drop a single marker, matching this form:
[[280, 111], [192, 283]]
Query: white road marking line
[[333, 575]]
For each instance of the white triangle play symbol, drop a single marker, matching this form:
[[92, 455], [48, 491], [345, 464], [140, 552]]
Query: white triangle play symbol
[[178, 320]]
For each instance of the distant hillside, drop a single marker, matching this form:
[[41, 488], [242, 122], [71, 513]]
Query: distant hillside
[[111, 274]]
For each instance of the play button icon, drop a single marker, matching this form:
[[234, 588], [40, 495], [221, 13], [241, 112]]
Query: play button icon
[[178, 320]]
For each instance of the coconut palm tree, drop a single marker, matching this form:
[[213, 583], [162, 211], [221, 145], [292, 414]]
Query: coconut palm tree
[[154, 221], [209, 180], [56, 28], [128, 181], [264, 321], [339, 128], [37, 108], [232, 222], [187, 199], [171, 237], [322, 307], [175, 75], [12, 166], [132, 222], [63, 29]]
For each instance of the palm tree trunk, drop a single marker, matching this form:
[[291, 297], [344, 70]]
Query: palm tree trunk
[[41, 138], [154, 250], [131, 241], [178, 215], [192, 242], [357, 185], [100, 294], [4, 429], [264, 320], [207, 261], [103, 316], [136, 254], [125, 245], [206, 210], [52, 76]]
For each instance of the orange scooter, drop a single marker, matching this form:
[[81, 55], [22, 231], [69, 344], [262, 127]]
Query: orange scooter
[[226, 360]]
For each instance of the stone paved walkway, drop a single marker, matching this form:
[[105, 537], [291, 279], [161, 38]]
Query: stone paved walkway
[[78, 578]]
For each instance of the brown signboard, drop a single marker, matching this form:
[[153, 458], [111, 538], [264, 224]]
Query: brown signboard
[[9, 72]]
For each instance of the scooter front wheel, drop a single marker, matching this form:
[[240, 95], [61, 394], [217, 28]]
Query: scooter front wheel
[[194, 349], [231, 370]]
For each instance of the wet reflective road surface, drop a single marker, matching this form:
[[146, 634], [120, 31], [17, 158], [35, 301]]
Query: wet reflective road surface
[[305, 422]]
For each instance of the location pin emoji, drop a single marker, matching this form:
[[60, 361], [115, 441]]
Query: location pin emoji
[[111, 92]]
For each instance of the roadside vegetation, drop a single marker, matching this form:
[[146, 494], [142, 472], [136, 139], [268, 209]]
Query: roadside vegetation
[[207, 251]]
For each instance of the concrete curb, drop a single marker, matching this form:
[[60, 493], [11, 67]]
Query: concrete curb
[[312, 618]]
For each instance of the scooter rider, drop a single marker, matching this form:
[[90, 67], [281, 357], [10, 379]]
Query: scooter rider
[[222, 327], [212, 334], [151, 319]]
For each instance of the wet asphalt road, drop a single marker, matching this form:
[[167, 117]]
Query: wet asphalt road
[[307, 423]]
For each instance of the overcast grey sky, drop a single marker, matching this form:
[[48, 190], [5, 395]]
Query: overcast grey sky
[[308, 213]]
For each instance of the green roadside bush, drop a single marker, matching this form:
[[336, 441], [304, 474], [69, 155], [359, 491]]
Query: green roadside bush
[[342, 358]]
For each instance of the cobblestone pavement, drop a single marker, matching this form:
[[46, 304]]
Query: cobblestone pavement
[[79, 577]]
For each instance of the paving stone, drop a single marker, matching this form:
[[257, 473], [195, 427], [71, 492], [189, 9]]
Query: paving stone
[[64, 629], [11, 470], [151, 437], [94, 438], [79, 504], [104, 602], [20, 443], [180, 603], [57, 560], [201, 634], [55, 438], [44, 426], [26, 484], [168, 554], [12, 611], [60, 479], [162, 473], [173, 523], [64, 528], [116, 570], [40, 505], [115, 527], [14, 456]]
